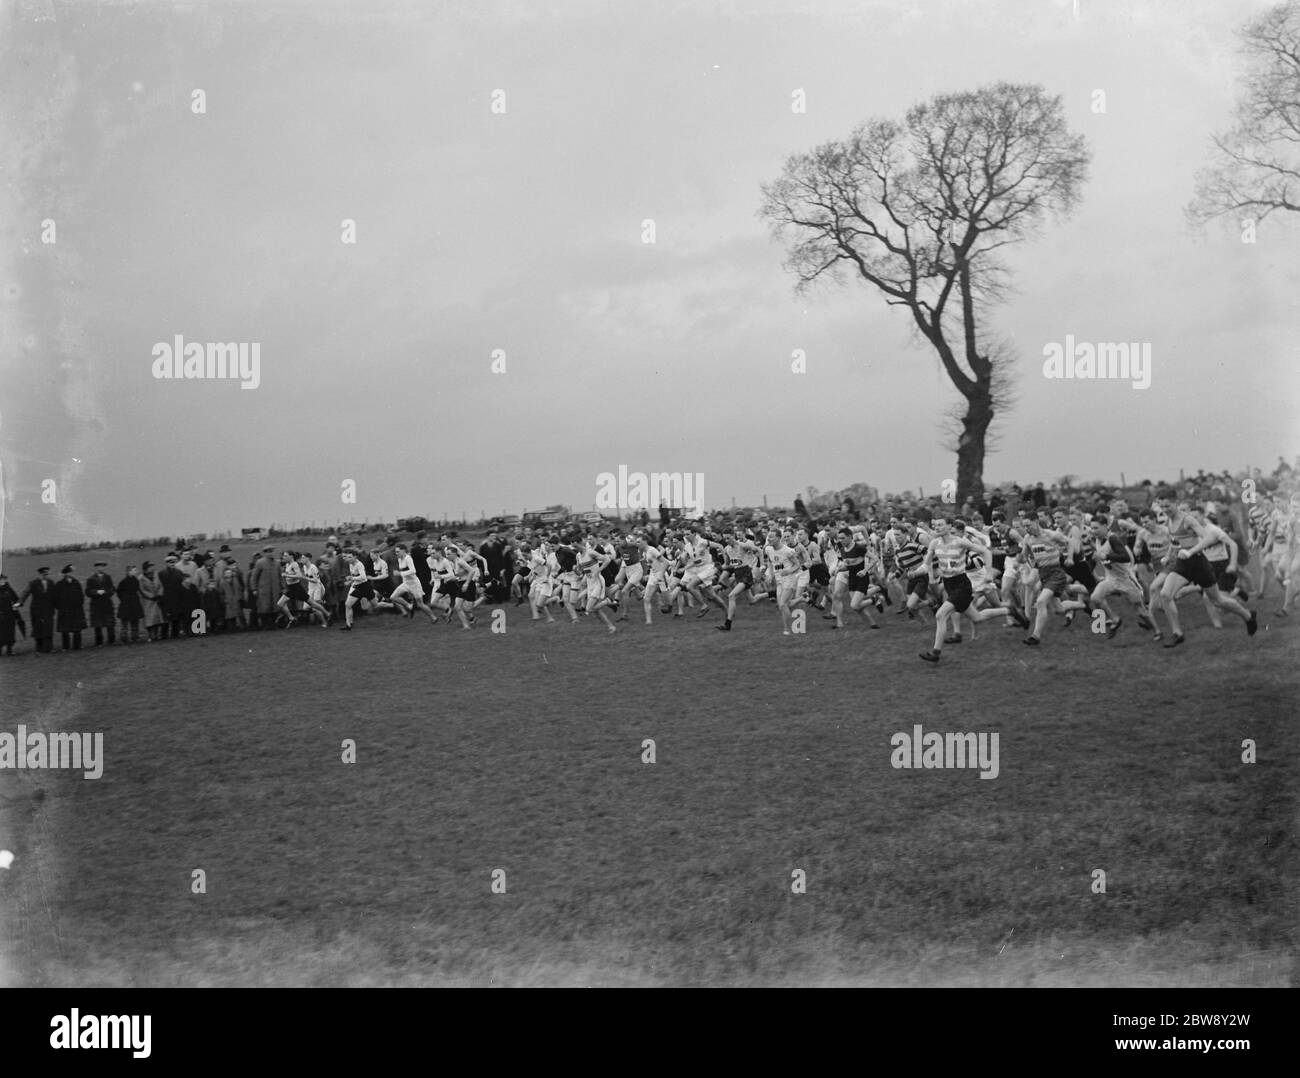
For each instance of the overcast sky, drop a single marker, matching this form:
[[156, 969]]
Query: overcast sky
[[522, 231]]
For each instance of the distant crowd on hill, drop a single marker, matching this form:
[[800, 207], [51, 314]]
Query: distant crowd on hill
[[856, 503]]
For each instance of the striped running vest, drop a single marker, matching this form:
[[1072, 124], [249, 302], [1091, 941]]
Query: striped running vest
[[909, 556], [1043, 550]]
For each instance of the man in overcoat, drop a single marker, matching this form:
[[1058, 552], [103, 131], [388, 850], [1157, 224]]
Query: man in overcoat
[[100, 590], [130, 608], [10, 612], [264, 587], [175, 598], [41, 593], [70, 605]]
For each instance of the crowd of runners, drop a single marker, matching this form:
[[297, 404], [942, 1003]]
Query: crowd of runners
[[1027, 569]]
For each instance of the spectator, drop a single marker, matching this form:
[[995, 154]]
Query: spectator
[[211, 600], [70, 604], [233, 563], [175, 598], [193, 595], [9, 614], [419, 555], [492, 551], [232, 595], [41, 591], [130, 610], [151, 601], [264, 589], [100, 591]]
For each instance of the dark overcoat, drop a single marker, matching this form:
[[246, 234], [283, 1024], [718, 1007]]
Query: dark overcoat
[[41, 593], [175, 594], [70, 605], [8, 615], [100, 591], [129, 606]]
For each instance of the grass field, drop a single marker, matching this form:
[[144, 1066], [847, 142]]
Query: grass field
[[522, 751]]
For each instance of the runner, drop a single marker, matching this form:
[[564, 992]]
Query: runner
[[1188, 565], [409, 593], [742, 561], [360, 589], [1045, 549], [787, 565], [591, 564], [1116, 560], [946, 561]]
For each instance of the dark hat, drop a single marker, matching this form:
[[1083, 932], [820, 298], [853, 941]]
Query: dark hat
[[268, 548], [146, 565], [225, 549], [43, 569], [98, 564], [67, 568]]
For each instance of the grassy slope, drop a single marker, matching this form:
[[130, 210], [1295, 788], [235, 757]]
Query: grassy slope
[[522, 751]]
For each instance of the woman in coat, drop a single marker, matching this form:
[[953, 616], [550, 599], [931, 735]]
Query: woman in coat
[[130, 610], [70, 606]]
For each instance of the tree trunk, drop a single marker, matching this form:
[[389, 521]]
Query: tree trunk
[[970, 448]]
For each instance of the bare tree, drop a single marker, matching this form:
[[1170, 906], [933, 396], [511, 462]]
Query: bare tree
[[1256, 167], [920, 211]]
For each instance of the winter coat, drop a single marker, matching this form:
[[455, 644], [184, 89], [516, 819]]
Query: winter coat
[[100, 591], [232, 594], [335, 575], [176, 595], [70, 605], [214, 605], [150, 596], [41, 592], [8, 615], [264, 584], [129, 607], [240, 579]]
